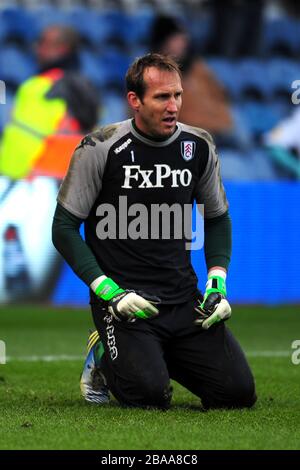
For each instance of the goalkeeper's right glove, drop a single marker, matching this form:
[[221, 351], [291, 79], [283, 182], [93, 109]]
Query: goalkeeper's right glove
[[214, 307], [126, 304]]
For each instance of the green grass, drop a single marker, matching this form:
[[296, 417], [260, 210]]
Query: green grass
[[41, 407]]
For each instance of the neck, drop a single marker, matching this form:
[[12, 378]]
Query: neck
[[143, 134]]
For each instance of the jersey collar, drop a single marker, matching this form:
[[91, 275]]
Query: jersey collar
[[152, 142]]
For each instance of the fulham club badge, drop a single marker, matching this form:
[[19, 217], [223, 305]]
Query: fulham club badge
[[188, 149]]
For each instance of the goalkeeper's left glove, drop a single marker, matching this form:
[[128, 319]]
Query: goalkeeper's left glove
[[214, 307], [125, 304]]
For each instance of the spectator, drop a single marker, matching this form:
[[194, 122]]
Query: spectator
[[205, 103], [57, 101], [283, 143]]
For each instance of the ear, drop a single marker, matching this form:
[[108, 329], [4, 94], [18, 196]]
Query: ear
[[133, 100]]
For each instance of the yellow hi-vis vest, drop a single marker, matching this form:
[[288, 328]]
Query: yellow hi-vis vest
[[33, 119]]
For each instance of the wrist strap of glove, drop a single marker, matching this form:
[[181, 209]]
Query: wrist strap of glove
[[215, 284], [108, 289]]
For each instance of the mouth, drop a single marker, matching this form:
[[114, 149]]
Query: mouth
[[170, 121]]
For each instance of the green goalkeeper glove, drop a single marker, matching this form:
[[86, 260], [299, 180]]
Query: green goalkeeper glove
[[214, 307], [127, 304]]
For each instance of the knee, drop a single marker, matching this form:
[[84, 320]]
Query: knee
[[156, 395], [145, 395], [243, 396], [235, 395]]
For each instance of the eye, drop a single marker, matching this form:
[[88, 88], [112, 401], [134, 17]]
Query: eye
[[163, 97]]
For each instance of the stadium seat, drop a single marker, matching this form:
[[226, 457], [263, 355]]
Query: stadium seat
[[137, 51], [139, 27], [15, 65], [253, 165], [235, 165], [16, 24], [47, 15], [91, 27], [116, 26], [253, 78], [114, 108], [262, 164], [259, 117], [3, 30], [281, 74], [90, 67], [281, 36], [199, 27], [226, 73], [113, 65]]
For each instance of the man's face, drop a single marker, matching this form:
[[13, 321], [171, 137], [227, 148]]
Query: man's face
[[51, 46], [156, 114]]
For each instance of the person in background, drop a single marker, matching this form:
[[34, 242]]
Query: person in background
[[52, 111], [205, 103], [283, 144], [56, 101]]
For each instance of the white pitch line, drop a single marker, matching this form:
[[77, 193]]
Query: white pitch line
[[66, 357], [59, 358], [268, 353]]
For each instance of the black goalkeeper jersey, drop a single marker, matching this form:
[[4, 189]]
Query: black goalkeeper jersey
[[125, 187]]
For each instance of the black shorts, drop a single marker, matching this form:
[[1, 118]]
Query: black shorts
[[142, 356]]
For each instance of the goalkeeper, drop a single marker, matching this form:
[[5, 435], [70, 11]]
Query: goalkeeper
[[152, 323]]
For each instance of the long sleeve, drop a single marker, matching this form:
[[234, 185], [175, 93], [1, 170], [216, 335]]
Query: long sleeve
[[67, 240], [217, 241]]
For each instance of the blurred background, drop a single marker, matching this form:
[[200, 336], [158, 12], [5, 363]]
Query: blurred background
[[62, 67]]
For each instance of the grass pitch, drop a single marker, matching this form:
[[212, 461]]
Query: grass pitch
[[41, 407]]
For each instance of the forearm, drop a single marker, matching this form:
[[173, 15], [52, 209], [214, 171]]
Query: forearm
[[123, 305], [67, 240], [217, 242]]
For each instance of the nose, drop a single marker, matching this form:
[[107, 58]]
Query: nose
[[172, 105]]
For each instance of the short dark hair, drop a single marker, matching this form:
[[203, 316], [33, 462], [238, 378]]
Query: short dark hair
[[135, 74]]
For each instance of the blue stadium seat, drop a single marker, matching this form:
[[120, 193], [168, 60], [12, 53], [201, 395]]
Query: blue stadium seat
[[259, 117], [91, 26], [114, 66], [106, 70], [90, 67], [282, 72], [235, 165], [253, 78], [281, 108], [139, 27], [17, 24], [225, 72], [253, 165], [199, 27], [15, 65], [47, 15], [137, 51], [281, 36], [116, 25], [114, 108], [262, 165]]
